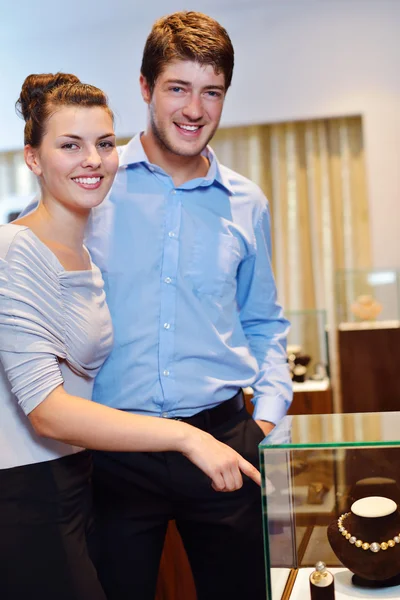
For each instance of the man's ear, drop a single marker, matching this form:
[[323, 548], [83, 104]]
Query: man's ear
[[31, 156], [145, 89]]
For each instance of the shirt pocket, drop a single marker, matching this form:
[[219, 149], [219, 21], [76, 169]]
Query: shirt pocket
[[214, 263]]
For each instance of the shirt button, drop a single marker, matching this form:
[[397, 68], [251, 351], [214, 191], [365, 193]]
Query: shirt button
[[167, 280], [165, 415], [167, 325], [166, 373], [173, 192], [171, 234]]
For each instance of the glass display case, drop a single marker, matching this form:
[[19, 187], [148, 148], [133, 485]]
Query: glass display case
[[314, 468], [307, 349], [367, 299]]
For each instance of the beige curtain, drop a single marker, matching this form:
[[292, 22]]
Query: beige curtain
[[313, 175], [15, 177]]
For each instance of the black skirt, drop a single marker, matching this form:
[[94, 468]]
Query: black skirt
[[45, 529]]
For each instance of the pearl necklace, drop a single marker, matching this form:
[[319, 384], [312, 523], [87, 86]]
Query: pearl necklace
[[374, 546]]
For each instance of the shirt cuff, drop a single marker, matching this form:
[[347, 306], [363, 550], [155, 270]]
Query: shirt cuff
[[271, 409]]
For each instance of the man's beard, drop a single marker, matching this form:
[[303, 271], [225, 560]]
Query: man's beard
[[162, 139]]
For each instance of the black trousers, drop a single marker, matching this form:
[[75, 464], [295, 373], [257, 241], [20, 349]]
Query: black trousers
[[45, 516], [136, 494]]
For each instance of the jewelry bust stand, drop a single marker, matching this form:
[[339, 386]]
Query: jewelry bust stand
[[322, 586], [366, 308], [375, 486], [367, 541]]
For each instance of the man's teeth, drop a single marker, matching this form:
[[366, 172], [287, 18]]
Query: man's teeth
[[87, 180], [190, 127]]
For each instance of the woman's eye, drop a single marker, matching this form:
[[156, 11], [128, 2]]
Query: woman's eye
[[106, 145]]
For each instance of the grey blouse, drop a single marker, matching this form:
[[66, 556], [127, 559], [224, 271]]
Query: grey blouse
[[55, 328]]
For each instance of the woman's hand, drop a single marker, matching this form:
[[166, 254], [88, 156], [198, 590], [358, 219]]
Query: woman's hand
[[217, 460]]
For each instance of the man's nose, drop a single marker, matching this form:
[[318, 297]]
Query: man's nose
[[193, 110]]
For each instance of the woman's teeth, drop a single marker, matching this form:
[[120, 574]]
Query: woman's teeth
[[87, 180]]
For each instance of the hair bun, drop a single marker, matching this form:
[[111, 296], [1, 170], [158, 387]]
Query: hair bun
[[35, 87]]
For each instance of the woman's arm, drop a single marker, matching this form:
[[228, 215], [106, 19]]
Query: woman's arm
[[84, 423]]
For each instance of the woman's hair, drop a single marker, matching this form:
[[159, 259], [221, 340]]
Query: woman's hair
[[187, 35], [42, 94]]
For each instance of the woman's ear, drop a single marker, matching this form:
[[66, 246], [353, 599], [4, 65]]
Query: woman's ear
[[31, 156]]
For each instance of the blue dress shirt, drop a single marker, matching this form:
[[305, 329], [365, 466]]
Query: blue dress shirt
[[191, 292]]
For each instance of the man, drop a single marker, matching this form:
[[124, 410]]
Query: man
[[184, 246]]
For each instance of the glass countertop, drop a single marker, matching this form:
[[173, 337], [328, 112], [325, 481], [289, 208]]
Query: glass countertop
[[335, 430]]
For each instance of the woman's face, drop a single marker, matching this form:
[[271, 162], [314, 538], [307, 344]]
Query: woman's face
[[77, 159]]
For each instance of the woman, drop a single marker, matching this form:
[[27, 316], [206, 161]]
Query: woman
[[55, 333]]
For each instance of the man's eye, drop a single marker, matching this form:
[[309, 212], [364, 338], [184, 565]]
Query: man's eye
[[176, 89], [214, 94]]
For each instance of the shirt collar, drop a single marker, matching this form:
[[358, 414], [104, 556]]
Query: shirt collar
[[133, 153]]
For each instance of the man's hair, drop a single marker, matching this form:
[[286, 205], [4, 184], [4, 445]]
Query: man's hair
[[187, 35]]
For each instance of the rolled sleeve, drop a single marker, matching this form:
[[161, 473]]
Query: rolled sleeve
[[265, 328]]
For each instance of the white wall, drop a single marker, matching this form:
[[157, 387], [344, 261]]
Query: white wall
[[296, 59]]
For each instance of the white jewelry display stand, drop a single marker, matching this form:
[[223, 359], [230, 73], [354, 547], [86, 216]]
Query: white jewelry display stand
[[374, 507], [310, 385], [362, 325], [279, 579], [344, 589]]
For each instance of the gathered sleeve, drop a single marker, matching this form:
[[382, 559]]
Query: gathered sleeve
[[31, 323]]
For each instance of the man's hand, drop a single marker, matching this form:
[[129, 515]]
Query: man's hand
[[266, 426]]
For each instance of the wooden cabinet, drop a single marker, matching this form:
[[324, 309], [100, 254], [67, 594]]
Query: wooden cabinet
[[306, 401], [369, 369], [175, 580], [316, 402]]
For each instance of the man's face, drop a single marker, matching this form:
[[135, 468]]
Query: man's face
[[185, 106]]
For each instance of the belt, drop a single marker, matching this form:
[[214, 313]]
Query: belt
[[214, 417]]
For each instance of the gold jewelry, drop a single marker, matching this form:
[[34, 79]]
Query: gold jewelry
[[320, 572], [316, 492], [373, 546]]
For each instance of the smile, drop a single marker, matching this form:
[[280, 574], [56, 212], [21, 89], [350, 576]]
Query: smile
[[87, 180], [189, 130], [189, 127], [88, 183]]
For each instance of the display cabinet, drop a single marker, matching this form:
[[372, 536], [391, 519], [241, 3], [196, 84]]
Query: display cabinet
[[314, 468], [368, 318], [367, 299], [307, 349]]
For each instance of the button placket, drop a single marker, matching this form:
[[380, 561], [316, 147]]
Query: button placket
[[168, 296]]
